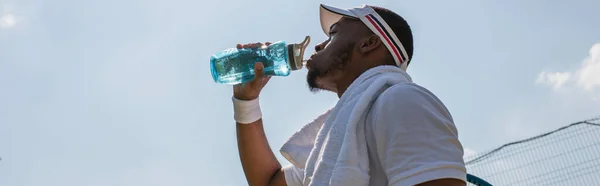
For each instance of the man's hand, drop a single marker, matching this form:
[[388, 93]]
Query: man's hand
[[251, 90]]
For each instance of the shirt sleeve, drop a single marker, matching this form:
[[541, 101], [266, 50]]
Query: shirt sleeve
[[294, 176], [415, 137]]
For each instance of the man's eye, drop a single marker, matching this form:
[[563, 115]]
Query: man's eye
[[331, 33]]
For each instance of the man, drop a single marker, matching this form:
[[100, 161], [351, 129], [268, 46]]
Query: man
[[409, 134]]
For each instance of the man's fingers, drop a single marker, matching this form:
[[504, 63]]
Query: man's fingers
[[256, 45], [252, 45]]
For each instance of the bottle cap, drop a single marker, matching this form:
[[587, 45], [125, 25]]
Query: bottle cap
[[296, 53]]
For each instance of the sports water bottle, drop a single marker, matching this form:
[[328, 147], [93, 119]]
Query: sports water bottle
[[234, 66]]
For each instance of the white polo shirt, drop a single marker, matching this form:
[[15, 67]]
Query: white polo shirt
[[411, 139]]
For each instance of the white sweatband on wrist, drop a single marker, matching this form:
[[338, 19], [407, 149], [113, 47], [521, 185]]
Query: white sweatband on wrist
[[246, 112]]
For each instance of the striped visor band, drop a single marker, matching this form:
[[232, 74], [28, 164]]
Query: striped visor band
[[330, 15]]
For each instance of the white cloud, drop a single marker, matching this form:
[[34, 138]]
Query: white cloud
[[588, 76], [585, 78], [469, 152], [554, 79], [7, 20]]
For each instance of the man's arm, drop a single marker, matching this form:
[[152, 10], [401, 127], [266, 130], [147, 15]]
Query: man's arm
[[416, 139], [258, 161]]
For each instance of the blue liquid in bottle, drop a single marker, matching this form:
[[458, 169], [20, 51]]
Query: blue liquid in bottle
[[234, 66]]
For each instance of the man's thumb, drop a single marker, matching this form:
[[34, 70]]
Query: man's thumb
[[259, 71]]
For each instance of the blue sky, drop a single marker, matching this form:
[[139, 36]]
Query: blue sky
[[119, 92]]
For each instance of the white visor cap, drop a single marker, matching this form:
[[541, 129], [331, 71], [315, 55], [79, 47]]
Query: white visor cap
[[330, 15]]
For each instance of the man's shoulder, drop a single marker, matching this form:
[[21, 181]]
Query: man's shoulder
[[409, 101], [407, 92]]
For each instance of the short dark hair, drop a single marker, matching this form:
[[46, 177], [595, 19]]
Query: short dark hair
[[400, 27]]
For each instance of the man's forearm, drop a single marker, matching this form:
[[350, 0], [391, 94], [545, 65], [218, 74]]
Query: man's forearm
[[258, 161]]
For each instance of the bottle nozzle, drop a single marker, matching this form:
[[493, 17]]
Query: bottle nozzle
[[297, 61]]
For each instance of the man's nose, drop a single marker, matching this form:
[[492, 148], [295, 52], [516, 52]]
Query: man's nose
[[320, 46]]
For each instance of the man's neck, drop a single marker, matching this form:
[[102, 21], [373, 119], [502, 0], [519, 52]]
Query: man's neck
[[344, 83], [353, 72], [349, 77]]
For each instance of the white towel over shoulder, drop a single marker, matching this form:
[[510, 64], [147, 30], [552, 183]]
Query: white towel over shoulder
[[332, 149]]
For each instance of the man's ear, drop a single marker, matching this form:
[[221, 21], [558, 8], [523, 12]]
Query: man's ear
[[369, 44]]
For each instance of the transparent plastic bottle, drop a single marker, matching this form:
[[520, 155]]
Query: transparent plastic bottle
[[234, 66]]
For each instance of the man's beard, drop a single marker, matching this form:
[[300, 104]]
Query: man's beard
[[339, 62]]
